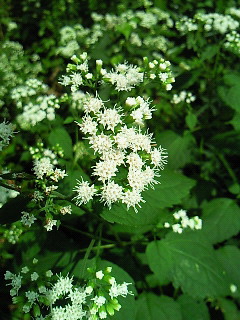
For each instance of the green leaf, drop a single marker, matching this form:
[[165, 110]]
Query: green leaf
[[221, 219], [61, 136], [231, 96], [190, 262], [152, 307], [125, 29], [235, 122], [229, 257], [229, 309], [231, 78], [173, 187], [193, 309], [191, 120], [179, 148], [209, 52], [11, 211]]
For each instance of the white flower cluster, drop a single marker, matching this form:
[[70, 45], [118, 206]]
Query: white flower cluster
[[96, 300], [6, 132], [186, 24], [115, 135], [125, 77], [217, 22], [27, 219], [36, 105], [159, 70], [31, 88], [183, 96], [232, 42], [15, 67], [42, 108], [234, 12], [74, 38], [184, 222], [119, 148]]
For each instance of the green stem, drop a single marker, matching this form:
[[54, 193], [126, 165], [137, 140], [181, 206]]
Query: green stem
[[227, 167], [89, 249]]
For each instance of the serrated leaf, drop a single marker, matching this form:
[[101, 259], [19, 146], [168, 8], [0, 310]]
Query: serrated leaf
[[190, 262], [61, 136], [193, 309], [221, 219], [152, 307], [173, 187]]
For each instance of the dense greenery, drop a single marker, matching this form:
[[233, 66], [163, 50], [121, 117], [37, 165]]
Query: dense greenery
[[120, 146]]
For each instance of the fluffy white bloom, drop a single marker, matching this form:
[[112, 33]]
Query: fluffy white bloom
[[125, 77], [159, 157], [105, 170], [134, 160], [93, 105], [132, 199], [58, 174], [109, 118], [62, 286], [88, 125], [42, 167], [100, 143], [111, 193], [85, 192], [116, 155], [119, 290], [99, 300], [6, 132]]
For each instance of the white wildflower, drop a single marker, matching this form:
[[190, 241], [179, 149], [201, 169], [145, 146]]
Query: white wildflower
[[85, 192]]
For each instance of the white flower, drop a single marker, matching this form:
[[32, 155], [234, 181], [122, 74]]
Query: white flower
[[34, 276], [42, 167], [99, 274], [99, 300], [58, 174], [100, 143], [132, 199], [159, 157], [66, 209], [111, 193], [109, 118], [93, 105], [119, 290], [31, 296], [50, 224], [177, 228], [27, 219], [105, 170], [85, 192], [134, 160], [88, 125]]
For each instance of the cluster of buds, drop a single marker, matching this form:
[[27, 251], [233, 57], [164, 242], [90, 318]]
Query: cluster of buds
[[96, 299], [183, 222]]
